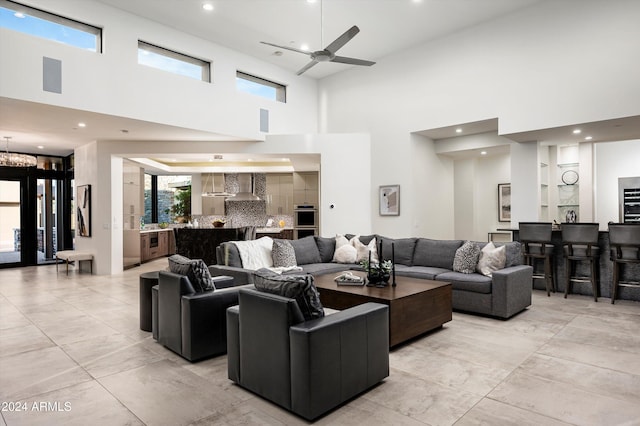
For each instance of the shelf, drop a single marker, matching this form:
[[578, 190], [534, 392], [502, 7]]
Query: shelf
[[568, 205], [563, 165]]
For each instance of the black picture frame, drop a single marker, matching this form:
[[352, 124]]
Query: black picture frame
[[83, 210]]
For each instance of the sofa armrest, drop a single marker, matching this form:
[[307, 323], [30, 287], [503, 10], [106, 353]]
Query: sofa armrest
[[223, 281], [240, 276], [204, 331], [511, 290], [337, 357], [171, 287]]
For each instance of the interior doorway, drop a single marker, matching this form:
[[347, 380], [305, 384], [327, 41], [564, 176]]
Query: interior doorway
[[11, 221]]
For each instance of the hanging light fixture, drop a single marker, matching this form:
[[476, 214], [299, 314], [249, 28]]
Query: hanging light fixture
[[13, 159]]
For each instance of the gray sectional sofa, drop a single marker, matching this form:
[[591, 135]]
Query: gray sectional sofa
[[502, 295]]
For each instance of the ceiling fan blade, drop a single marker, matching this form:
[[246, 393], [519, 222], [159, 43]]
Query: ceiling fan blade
[[293, 49], [351, 61], [343, 39], [306, 67]]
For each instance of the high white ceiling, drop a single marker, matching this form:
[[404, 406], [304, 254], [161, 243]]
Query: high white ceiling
[[386, 27]]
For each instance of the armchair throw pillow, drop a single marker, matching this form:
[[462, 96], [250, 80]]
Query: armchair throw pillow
[[298, 287], [195, 269]]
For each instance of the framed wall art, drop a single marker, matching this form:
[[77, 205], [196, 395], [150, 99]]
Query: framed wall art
[[389, 200], [504, 202], [83, 211]]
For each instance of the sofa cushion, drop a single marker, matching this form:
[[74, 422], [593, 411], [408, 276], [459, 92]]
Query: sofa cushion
[[298, 287], [306, 250], [491, 259], [513, 253], [283, 254], [326, 248], [194, 269], [403, 249], [436, 253], [421, 272], [316, 269], [466, 258], [475, 283]]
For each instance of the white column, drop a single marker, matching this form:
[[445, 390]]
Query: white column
[[525, 196]]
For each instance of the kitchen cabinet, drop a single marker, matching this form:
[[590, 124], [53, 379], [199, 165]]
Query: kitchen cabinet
[[279, 190], [154, 244], [305, 188]]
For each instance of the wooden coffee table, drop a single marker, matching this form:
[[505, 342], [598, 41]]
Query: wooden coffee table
[[415, 305]]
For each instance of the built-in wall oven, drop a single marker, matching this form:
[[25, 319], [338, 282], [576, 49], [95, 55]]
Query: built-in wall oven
[[305, 220]]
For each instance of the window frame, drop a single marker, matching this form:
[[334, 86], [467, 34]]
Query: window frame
[[281, 89], [60, 20], [204, 64]]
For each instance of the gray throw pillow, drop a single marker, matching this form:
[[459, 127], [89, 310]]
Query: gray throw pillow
[[306, 250], [195, 269], [435, 253], [466, 258], [298, 287], [402, 250], [283, 254], [326, 247]]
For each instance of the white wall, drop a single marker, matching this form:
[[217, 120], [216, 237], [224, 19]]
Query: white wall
[[113, 82], [613, 160], [345, 181], [532, 70]]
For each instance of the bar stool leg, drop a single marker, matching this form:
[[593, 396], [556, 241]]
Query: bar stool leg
[[594, 279], [614, 284], [547, 274], [567, 285]]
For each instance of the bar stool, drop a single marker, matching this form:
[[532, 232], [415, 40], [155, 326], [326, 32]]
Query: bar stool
[[580, 244], [624, 239], [536, 240]]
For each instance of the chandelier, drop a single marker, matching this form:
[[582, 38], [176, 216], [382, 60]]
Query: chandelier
[[13, 159]]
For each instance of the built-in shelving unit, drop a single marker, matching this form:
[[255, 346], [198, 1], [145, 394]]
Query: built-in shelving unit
[[568, 190], [544, 192]]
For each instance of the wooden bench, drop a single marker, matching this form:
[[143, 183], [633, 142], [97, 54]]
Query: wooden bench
[[73, 256]]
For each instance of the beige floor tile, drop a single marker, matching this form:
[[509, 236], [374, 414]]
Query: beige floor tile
[[35, 372], [83, 404], [598, 356], [421, 399], [595, 337], [106, 355], [489, 412], [63, 331], [164, 393], [22, 339], [446, 371], [564, 402], [10, 317], [362, 411], [603, 381]]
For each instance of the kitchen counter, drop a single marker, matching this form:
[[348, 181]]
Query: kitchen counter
[[146, 231]]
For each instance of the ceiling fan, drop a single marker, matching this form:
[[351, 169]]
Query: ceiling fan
[[328, 54]]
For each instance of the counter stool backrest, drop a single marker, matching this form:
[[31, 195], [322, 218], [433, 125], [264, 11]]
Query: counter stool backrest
[[535, 232], [580, 234], [624, 239]]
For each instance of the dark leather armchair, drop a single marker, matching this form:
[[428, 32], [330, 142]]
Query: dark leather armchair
[[307, 367], [191, 324]]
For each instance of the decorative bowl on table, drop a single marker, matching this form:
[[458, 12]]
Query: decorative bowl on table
[[218, 223]]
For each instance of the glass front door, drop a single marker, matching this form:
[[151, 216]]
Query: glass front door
[[10, 222], [49, 225]]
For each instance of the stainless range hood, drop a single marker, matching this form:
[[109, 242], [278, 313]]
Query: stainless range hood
[[245, 189]]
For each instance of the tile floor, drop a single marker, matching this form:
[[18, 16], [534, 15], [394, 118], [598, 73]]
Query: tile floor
[[71, 352]]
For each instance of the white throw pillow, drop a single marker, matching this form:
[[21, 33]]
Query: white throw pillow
[[363, 251], [345, 254], [492, 258], [341, 240]]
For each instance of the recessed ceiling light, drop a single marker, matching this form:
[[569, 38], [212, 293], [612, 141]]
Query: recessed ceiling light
[[40, 147], [588, 138], [304, 47], [173, 160], [82, 125], [311, 1], [577, 131], [458, 130], [208, 7], [483, 152], [19, 15]]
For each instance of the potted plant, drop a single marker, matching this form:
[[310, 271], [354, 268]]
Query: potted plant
[[181, 208], [378, 273]]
